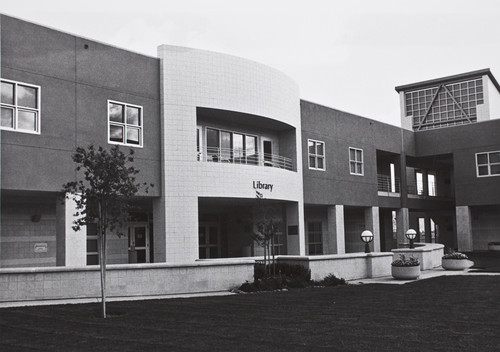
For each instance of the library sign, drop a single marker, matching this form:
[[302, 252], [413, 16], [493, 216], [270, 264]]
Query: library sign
[[258, 186]]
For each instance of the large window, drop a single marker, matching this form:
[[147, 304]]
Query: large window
[[231, 147], [488, 164], [20, 106], [356, 161], [124, 123], [314, 238], [445, 105], [316, 152]]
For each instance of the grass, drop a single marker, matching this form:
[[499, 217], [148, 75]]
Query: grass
[[460, 313]]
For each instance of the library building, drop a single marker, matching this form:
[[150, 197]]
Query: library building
[[226, 142]]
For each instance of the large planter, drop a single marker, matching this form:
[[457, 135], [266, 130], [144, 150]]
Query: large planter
[[405, 272], [456, 264]]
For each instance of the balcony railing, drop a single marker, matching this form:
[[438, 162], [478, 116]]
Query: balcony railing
[[385, 185], [238, 156]]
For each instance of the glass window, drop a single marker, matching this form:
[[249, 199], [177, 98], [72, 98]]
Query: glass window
[[316, 151], [488, 164], [20, 107], [356, 166], [314, 238], [125, 123]]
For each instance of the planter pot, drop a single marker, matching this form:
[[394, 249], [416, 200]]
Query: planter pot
[[456, 264], [405, 272], [494, 246]]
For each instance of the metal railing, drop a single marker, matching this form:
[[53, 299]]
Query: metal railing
[[238, 156], [384, 184]]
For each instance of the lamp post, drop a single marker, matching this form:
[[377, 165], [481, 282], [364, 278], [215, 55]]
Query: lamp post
[[367, 237], [411, 235]]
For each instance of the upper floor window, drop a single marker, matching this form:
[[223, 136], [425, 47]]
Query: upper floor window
[[124, 124], [20, 106], [356, 161], [316, 151], [488, 164]]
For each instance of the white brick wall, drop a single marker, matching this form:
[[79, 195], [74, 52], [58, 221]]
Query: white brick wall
[[193, 78]]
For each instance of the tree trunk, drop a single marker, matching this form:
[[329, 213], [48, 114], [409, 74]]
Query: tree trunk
[[273, 262]]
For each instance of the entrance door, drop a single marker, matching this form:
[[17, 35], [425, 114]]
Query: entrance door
[[138, 243], [209, 241]]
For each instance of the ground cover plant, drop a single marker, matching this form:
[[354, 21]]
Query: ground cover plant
[[454, 313]]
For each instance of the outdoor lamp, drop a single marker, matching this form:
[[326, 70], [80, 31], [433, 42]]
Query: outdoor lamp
[[367, 237], [411, 235]]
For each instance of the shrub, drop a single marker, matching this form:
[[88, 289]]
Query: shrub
[[455, 255], [402, 261], [330, 280]]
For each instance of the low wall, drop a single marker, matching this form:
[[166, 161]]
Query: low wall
[[26, 284], [429, 254], [347, 266]]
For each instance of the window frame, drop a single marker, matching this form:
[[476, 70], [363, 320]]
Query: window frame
[[356, 162], [125, 124], [15, 107], [315, 244], [488, 164], [315, 155]]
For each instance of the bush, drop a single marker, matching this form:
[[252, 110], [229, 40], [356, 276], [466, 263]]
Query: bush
[[402, 261], [330, 280], [455, 255]]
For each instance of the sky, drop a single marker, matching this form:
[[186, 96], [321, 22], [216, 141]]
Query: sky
[[348, 55]]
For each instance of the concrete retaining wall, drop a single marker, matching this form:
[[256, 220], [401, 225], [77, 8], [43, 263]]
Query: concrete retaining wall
[[27, 284], [429, 254], [347, 266]]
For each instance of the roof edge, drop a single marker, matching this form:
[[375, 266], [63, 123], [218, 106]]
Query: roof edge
[[449, 79]]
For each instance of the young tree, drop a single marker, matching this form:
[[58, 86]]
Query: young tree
[[102, 193], [265, 230]]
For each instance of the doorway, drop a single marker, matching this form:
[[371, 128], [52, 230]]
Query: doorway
[[209, 240], [138, 243]]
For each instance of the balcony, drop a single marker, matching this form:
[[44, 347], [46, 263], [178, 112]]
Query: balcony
[[386, 186], [238, 156]]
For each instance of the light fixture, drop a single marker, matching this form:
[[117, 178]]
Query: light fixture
[[367, 237], [411, 234]]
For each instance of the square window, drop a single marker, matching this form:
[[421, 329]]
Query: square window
[[20, 107], [488, 164], [316, 151], [125, 123]]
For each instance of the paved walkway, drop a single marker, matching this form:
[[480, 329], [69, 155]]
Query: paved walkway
[[427, 274]]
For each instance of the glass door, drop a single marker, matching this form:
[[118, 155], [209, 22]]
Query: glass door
[[209, 241], [138, 244]]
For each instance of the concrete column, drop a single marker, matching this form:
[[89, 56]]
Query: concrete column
[[464, 228], [402, 224], [336, 230], [296, 243], [159, 231], [71, 247], [372, 223]]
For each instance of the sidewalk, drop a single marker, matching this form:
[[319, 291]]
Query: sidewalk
[[427, 274]]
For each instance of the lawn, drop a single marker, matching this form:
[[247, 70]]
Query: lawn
[[460, 313]]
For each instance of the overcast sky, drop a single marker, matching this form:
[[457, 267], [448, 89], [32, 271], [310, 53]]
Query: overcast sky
[[347, 54]]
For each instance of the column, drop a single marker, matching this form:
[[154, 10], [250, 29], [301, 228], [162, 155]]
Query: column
[[402, 225], [71, 248], [372, 223], [336, 230], [159, 231], [295, 240], [464, 228]]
